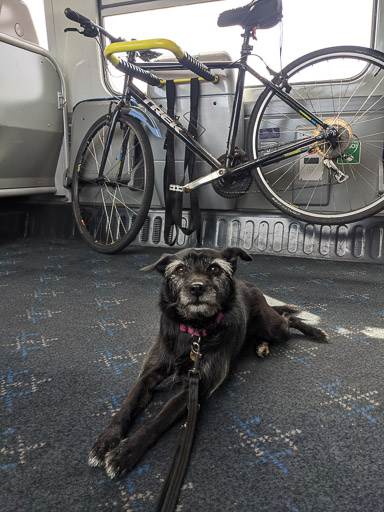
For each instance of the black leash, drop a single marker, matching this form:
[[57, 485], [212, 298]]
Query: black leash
[[171, 487]]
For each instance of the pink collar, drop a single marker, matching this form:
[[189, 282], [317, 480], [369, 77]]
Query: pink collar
[[194, 332]]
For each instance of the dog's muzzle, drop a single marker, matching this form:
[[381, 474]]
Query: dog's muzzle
[[197, 299]]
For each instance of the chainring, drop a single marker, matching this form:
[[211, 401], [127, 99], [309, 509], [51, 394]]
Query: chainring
[[233, 185]]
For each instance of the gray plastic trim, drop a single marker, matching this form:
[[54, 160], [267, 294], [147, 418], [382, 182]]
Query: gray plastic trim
[[275, 234], [26, 45]]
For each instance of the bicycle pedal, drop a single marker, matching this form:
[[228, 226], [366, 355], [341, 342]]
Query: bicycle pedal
[[176, 188]]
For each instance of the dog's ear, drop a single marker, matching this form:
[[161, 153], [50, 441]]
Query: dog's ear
[[160, 264], [232, 253]]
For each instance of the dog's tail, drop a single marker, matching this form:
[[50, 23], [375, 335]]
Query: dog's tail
[[287, 308]]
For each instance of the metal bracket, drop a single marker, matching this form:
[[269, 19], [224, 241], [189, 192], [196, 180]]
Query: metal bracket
[[61, 101]]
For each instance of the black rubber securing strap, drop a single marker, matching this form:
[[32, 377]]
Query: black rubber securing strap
[[197, 67], [130, 69], [169, 494], [174, 202], [170, 168]]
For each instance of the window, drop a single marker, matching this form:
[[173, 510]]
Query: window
[[194, 28], [36, 9]]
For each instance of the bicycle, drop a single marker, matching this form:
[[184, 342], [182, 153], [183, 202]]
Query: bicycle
[[314, 146]]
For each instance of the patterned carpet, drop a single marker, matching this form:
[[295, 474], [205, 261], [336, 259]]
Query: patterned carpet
[[299, 431]]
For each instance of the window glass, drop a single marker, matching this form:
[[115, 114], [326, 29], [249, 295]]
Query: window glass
[[36, 9], [304, 29]]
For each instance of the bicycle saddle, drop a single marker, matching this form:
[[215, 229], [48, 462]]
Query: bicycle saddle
[[256, 14]]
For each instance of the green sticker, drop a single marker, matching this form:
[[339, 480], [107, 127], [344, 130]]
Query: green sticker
[[352, 155]]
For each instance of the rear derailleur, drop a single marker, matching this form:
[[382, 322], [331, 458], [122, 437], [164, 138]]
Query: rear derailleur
[[338, 174]]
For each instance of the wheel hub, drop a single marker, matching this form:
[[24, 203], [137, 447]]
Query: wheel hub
[[339, 137]]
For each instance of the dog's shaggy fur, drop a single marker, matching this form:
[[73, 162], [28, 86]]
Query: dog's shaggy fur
[[200, 296]]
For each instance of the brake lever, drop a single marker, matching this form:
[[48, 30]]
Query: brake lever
[[72, 29], [87, 31]]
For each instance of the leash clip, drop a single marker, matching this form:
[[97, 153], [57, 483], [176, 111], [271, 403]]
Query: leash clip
[[195, 355]]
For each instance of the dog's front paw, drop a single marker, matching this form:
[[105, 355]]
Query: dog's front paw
[[262, 350], [107, 441], [123, 458]]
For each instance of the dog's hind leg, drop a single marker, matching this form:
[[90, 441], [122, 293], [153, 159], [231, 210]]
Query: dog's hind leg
[[308, 330], [122, 459], [289, 312]]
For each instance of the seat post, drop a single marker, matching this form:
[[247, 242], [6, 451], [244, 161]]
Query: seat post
[[246, 49]]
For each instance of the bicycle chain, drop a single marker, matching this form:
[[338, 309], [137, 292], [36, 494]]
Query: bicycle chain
[[239, 194]]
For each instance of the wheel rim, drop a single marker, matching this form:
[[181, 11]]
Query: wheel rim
[[106, 207], [337, 184]]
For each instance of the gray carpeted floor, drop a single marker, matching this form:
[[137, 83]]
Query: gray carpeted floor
[[301, 430]]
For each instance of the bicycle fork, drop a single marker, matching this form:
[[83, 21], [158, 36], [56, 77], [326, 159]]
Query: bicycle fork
[[108, 142]]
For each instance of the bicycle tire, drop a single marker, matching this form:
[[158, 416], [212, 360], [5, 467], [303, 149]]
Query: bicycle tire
[[355, 106], [110, 211]]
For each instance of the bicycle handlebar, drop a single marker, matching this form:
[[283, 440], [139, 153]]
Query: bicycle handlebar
[[91, 29], [76, 16]]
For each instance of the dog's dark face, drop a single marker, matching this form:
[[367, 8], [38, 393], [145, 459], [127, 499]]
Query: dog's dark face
[[198, 281]]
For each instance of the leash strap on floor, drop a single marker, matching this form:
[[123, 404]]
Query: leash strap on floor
[[174, 201], [170, 490]]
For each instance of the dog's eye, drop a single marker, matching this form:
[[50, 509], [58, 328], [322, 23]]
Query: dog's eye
[[215, 270], [181, 269]]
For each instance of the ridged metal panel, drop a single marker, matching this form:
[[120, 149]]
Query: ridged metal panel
[[258, 233], [275, 234]]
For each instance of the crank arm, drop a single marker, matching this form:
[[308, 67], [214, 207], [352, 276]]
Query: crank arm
[[193, 185]]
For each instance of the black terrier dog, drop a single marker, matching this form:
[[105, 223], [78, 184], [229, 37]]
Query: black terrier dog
[[199, 298]]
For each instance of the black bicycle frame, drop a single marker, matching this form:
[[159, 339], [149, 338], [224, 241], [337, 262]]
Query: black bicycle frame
[[182, 134]]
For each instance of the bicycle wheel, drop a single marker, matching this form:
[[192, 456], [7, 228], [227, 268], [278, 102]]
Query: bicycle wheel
[[325, 183], [111, 209]]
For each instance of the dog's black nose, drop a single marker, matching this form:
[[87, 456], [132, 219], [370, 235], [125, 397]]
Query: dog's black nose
[[197, 289]]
